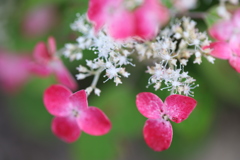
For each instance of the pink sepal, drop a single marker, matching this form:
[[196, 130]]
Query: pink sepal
[[52, 45], [221, 31], [64, 76], [79, 100], [66, 128], [149, 105], [234, 44], [158, 134], [235, 63], [179, 107], [56, 100], [236, 18], [41, 53], [220, 50], [93, 121]]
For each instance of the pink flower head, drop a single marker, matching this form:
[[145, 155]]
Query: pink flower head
[[225, 29], [227, 51], [48, 62], [157, 130], [122, 22], [39, 20], [72, 114], [14, 70]]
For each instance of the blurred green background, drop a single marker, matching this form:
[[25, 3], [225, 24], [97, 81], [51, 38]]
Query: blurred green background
[[211, 132]]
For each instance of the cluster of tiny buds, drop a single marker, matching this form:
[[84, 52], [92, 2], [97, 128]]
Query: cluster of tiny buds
[[173, 44]]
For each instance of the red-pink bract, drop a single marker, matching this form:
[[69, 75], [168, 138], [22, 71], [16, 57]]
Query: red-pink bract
[[179, 107], [158, 134], [47, 62], [158, 130], [73, 114], [149, 105], [93, 121], [66, 129]]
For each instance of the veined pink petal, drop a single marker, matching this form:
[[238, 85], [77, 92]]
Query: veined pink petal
[[234, 44], [221, 31], [179, 107], [41, 53], [63, 75], [158, 134], [235, 63], [236, 19], [56, 100], [149, 17], [79, 100], [149, 105], [220, 50], [66, 129], [52, 45], [122, 24], [93, 121]]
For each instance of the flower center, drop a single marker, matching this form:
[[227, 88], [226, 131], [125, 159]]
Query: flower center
[[165, 117], [75, 113]]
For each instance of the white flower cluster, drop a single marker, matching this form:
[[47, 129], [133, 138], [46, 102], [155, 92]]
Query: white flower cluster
[[176, 80], [171, 49]]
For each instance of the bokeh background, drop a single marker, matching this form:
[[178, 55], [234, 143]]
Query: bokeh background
[[211, 132]]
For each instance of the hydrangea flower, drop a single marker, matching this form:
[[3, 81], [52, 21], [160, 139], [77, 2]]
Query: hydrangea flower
[[224, 30], [227, 51], [47, 62], [141, 18], [157, 130], [72, 114]]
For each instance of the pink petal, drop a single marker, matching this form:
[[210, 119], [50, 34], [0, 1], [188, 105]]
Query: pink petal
[[93, 121], [41, 53], [221, 31], [149, 105], [100, 10], [234, 43], [79, 100], [52, 45], [220, 50], [149, 17], [235, 63], [40, 69], [179, 107], [158, 134], [66, 129], [116, 28], [64, 76], [236, 19], [56, 100]]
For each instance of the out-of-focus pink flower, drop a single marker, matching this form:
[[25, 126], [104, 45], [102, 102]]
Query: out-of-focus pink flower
[[47, 62], [72, 114], [227, 51], [157, 130], [142, 21], [14, 70], [225, 29], [39, 20]]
